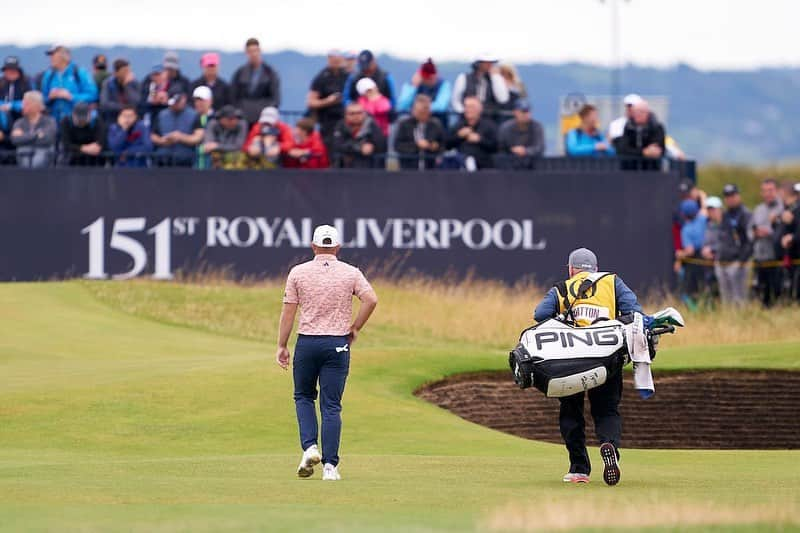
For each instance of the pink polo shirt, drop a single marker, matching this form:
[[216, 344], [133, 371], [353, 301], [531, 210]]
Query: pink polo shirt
[[324, 289]]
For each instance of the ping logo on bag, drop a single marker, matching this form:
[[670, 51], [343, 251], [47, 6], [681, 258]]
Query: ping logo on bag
[[570, 339]]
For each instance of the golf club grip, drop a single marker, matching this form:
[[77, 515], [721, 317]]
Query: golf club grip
[[661, 330]]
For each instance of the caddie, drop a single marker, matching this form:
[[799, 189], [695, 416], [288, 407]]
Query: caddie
[[588, 296], [323, 289]]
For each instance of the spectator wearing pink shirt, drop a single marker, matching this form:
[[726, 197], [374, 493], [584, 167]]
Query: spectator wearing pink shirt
[[323, 289], [374, 103]]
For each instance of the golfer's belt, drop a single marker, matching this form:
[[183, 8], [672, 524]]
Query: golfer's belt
[[561, 360]]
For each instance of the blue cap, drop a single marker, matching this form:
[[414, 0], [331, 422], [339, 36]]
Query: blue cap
[[522, 105], [364, 59], [689, 208], [157, 68]]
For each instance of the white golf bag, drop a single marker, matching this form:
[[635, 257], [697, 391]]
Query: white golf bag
[[560, 359]]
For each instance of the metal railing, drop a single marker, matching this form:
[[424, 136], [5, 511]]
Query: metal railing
[[382, 161]]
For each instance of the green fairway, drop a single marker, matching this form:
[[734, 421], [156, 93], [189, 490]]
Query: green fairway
[[158, 407]]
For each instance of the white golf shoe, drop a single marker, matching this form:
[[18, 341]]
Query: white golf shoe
[[575, 477], [330, 473], [310, 458]]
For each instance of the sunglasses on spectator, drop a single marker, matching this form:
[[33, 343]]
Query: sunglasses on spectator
[[355, 112]]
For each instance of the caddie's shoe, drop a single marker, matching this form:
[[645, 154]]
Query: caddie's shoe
[[330, 473], [574, 477], [611, 473], [310, 458]]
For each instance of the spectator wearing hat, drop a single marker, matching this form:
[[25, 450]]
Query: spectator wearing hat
[[420, 137], [156, 86], [588, 140], [34, 134], [483, 82], [176, 81], [210, 78], [267, 138], [255, 85], [789, 235], [225, 137], [83, 137], [100, 70], [305, 148], [119, 90], [644, 138], [710, 248], [693, 234], [374, 103], [520, 139], [129, 139], [765, 221], [714, 210], [617, 127], [358, 142], [735, 248], [65, 84], [474, 135], [368, 68], [426, 81], [324, 99], [13, 84], [153, 100], [203, 100], [172, 133]]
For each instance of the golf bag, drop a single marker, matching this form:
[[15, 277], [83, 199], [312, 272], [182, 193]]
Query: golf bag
[[560, 359]]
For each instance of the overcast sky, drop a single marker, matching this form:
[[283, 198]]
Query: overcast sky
[[708, 34]]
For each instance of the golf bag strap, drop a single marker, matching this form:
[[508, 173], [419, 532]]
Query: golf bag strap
[[583, 288]]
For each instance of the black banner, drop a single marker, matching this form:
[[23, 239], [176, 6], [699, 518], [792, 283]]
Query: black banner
[[119, 223]]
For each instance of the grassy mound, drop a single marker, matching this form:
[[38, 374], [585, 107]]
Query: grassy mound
[[157, 407]]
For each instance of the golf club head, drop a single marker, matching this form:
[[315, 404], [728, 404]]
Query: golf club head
[[668, 316]]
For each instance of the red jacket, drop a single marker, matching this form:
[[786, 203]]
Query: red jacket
[[284, 137], [317, 159]]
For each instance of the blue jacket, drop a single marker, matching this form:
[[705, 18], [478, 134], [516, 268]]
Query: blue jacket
[[440, 104], [131, 146], [76, 80], [626, 302], [693, 233], [579, 144], [5, 123]]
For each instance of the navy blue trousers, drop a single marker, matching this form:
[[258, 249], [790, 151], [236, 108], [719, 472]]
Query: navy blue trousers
[[604, 401], [325, 360]]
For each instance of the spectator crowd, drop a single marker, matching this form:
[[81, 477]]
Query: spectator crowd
[[723, 249], [354, 117]]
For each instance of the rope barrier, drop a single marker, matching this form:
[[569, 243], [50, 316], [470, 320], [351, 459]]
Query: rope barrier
[[750, 263]]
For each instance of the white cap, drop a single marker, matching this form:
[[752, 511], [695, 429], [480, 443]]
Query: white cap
[[270, 115], [202, 92], [632, 99], [714, 202], [486, 57], [325, 237], [364, 85]]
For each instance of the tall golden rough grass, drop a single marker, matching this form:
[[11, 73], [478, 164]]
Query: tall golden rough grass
[[484, 312], [560, 515], [492, 313]]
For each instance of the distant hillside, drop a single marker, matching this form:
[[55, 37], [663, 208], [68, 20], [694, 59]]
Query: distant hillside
[[741, 117]]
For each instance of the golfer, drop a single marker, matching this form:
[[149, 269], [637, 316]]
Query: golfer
[[323, 289], [608, 298]]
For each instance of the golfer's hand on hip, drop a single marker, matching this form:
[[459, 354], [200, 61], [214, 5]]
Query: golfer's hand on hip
[[353, 335], [282, 357]]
